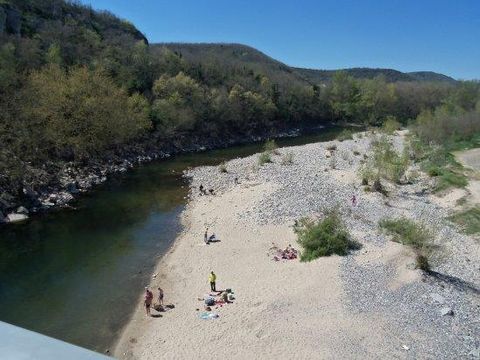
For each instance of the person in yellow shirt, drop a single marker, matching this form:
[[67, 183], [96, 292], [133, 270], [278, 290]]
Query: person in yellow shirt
[[212, 278]]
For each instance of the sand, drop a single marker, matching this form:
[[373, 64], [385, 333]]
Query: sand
[[282, 309]]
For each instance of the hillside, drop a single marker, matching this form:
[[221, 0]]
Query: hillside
[[324, 76], [242, 55], [235, 56]]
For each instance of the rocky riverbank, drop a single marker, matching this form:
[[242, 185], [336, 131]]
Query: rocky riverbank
[[373, 303], [55, 186]]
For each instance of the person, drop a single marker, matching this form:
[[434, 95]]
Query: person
[[212, 278], [354, 200], [148, 300], [205, 236], [160, 296]]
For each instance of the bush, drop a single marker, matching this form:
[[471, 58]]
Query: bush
[[346, 134], [391, 125], [410, 233], [264, 158], [324, 238], [271, 147], [287, 158], [223, 167], [385, 162], [440, 163], [469, 220]]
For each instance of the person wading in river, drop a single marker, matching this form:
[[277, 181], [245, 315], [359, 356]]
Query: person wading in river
[[212, 278], [148, 300]]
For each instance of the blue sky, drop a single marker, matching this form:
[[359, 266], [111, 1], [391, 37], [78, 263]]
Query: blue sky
[[408, 35]]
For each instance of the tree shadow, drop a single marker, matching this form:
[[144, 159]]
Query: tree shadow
[[456, 282]]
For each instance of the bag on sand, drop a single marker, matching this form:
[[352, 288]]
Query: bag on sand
[[210, 301]]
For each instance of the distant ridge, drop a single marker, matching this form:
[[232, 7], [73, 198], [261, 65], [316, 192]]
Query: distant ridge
[[239, 54]]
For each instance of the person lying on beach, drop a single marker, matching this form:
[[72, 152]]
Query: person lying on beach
[[148, 300]]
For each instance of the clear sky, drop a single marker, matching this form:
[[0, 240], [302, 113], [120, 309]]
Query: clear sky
[[407, 35]]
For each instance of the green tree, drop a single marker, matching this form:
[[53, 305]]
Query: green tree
[[82, 112]]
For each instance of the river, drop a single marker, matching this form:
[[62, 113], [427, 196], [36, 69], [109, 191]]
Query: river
[[76, 275]]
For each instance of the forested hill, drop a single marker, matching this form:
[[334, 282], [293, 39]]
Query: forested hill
[[222, 56], [390, 75], [242, 55]]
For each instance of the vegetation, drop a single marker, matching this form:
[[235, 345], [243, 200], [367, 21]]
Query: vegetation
[[264, 158], [410, 233], [223, 167], [346, 134], [385, 162], [324, 238], [391, 125], [271, 147], [287, 158], [469, 220], [78, 84]]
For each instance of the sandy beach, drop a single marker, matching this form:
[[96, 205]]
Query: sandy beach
[[371, 304]]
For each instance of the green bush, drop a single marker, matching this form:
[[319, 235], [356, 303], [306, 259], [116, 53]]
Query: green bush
[[469, 220], [410, 233], [223, 167], [264, 158], [287, 158], [385, 163], [391, 125], [271, 147], [346, 134], [324, 238]]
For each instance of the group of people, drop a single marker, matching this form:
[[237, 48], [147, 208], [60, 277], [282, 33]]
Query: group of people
[[203, 191], [149, 299]]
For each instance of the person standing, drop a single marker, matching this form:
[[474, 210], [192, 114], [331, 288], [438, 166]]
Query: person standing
[[160, 296], [205, 236], [148, 300], [354, 200], [212, 278]]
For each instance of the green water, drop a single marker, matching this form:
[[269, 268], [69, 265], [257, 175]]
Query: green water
[[76, 274]]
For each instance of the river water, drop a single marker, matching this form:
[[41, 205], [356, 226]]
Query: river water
[[76, 275]]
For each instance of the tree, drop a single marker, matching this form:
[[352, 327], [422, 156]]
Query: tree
[[82, 112]]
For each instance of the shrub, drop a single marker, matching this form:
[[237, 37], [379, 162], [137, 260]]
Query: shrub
[[391, 125], [223, 167], [410, 233], [346, 134], [385, 162], [324, 238], [264, 158], [333, 161], [271, 147], [287, 158], [469, 220], [332, 147]]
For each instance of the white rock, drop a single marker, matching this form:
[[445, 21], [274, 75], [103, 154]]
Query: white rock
[[437, 298], [13, 217], [22, 210], [446, 311]]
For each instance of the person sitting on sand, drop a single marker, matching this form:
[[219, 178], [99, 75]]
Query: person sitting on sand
[[148, 300], [160, 296], [212, 278]]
